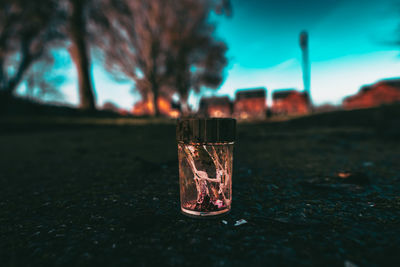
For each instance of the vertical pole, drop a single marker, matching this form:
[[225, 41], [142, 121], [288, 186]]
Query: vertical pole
[[306, 70], [306, 63]]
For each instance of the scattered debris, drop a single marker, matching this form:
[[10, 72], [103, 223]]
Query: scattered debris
[[344, 175], [240, 222], [224, 222]]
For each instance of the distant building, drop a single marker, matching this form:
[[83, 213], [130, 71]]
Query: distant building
[[166, 107], [383, 92], [290, 102], [250, 103], [215, 107]]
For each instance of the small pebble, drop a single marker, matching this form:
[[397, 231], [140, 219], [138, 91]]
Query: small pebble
[[344, 175], [240, 222]]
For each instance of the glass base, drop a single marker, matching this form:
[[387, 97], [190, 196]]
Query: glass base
[[204, 214]]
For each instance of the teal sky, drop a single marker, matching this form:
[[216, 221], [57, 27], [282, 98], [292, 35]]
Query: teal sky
[[349, 47]]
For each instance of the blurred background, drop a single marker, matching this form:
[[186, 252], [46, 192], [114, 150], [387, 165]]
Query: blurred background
[[216, 58]]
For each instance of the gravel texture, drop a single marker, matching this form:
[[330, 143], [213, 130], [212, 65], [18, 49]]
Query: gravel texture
[[304, 193]]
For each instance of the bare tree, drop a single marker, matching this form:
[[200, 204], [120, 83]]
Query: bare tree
[[86, 23], [196, 58], [27, 29], [157, 43], [79, 51], [134, 47]]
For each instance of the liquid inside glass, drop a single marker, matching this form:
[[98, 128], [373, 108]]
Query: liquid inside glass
[[205, 174]]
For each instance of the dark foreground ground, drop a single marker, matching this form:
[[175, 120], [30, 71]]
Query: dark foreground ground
[[78, 194]]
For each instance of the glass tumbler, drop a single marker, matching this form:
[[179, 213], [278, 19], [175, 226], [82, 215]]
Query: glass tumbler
[[205, 153]]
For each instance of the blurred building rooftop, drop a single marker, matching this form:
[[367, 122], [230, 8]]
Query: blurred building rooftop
[[250, 93], [385, 91], [290, 102], [215, 106]]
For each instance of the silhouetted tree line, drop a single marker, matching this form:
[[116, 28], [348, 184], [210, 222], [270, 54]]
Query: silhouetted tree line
[[163, 46]]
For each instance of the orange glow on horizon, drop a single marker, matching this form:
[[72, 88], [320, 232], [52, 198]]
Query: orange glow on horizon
[[143, 108], [250, 108], [219, 111]]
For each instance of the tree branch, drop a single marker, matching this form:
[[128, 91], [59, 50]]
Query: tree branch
[[27, 59]]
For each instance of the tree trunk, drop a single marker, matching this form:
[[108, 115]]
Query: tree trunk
[[185, 107], [154, 90], [155, 102], [183, 97], [79, 55]]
